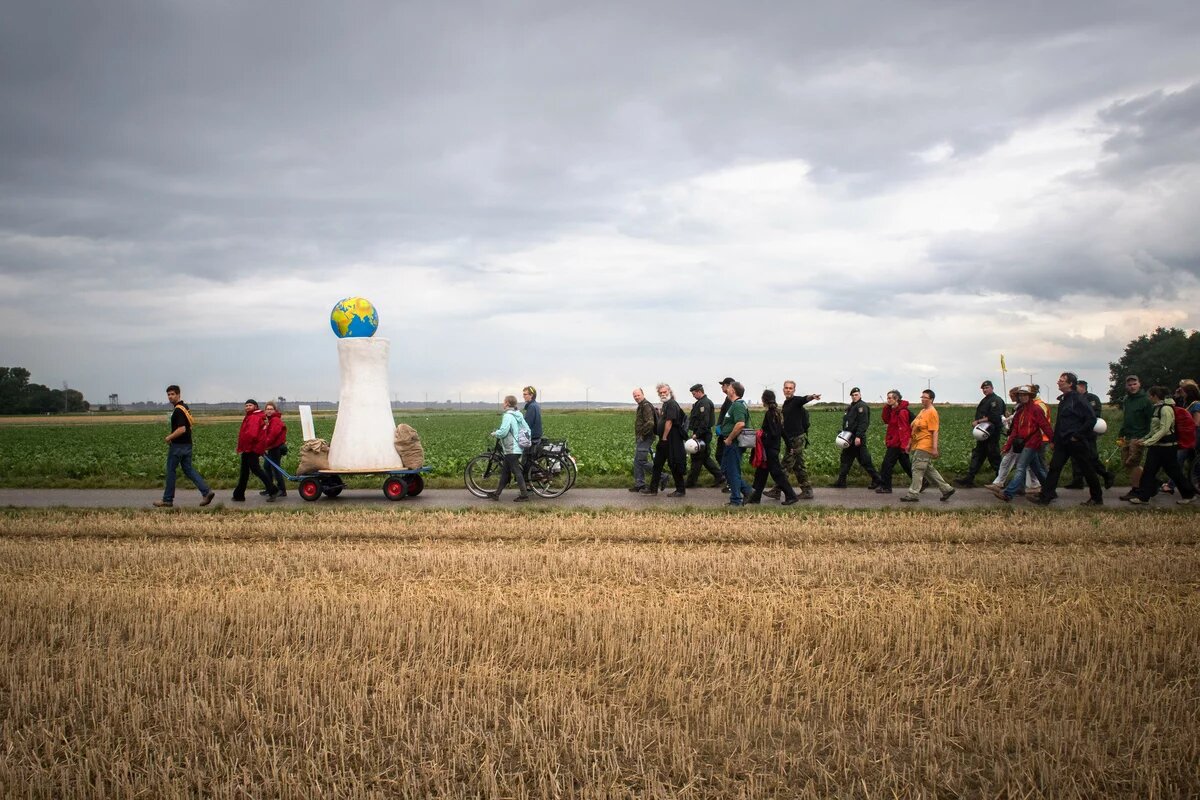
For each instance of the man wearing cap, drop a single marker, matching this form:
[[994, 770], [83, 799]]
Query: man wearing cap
[[700, 425], [795, 434], [1098, 465], [856, 420], [722, 430], [990, 412], [250, 448], [1030, 430]]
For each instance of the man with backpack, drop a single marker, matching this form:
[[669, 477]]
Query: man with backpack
[[643, 431], [179, 452], [1160, 446], [671, 428]]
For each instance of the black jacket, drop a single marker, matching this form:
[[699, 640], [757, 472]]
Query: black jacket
[[1075, 418], [671, 412], [993, 408], [1095, 403], [795, 415], [857, 418], [772, 430], [701, 418]]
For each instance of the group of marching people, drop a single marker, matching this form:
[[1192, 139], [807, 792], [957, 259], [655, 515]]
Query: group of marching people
[[1157, 435]]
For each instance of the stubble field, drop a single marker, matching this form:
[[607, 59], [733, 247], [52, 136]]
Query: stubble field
[[384, 653]]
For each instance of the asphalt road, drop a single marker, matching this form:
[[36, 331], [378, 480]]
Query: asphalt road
[[576, 498]]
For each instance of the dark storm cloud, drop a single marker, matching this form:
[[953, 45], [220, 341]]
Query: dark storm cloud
[[219, 138], [1124, 230]]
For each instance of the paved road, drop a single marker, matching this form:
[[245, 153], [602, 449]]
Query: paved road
[[576, 498]]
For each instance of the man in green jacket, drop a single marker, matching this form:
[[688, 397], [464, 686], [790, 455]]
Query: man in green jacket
[[1134, 428], [643, 431]]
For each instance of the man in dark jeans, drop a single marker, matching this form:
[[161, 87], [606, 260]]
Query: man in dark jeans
[[179, 452], [700, 425], [533, 418], [1098, 465], [643, 432], [1074, 423], [990, 411]]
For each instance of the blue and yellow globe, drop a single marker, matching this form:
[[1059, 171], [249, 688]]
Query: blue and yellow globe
[[354, 316]]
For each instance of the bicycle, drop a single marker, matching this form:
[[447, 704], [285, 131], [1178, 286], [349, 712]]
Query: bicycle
[[550, 473]]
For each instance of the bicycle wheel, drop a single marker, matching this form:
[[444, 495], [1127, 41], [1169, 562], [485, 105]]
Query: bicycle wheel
[[570, 462], [482, 474], [550, 476]]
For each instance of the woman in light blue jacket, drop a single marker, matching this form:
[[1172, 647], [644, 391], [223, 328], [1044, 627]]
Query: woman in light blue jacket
[[510, 425]]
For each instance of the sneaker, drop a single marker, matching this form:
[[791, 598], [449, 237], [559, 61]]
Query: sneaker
[[208, 498], [725, 488], [1091, 501], [648, 490], [806, 494], [1127, 496], [995, 489], [1004, 497], [790, 501], [966, 483], [910, 498], [1137, 501], [947, 495], [636, 488], [271, 498], [492, 495], [772, 493], [521, 498], [165, 504], [678, 493]]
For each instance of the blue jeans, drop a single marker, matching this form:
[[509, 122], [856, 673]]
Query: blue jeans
[[180, 455], [641, 461], [731, 465], [1029, 459]]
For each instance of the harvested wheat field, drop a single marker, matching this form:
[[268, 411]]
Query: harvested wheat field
[[599, 655]]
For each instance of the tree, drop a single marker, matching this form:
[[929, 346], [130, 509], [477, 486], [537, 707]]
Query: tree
[[19, 396], [1162, 358]]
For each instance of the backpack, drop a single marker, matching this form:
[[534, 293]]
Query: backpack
[[682, 422], [524, 437], [1185, 427], [1171, 437]]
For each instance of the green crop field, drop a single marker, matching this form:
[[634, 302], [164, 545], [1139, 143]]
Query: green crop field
[[128, 452]]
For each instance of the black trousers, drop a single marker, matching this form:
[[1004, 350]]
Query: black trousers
[[704, 458], [275, 455], [509, 469], [775, 470], [250, 463], [1077, 453], [671, 453], [1097, 464], [987, 450], [893, 456], [863, 456], [1163, 458]]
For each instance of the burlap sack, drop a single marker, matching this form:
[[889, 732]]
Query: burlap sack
[[409, 447], [314, 456]]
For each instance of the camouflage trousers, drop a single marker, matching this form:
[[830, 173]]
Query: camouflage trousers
[[794, 460]]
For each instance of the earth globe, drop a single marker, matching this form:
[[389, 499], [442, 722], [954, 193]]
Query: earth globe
[[352, 317]]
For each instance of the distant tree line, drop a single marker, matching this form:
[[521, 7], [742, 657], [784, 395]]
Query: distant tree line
[[19, 396], [1162, 358]]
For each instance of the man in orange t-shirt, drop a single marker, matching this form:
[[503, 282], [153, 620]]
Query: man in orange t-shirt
[[924, 449]]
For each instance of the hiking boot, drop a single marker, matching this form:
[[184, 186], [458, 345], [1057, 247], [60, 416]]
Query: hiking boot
[[947, 495], [790, 501], [1128, 496], [806, 494], [208, 498], [164, 504], [772, 493], [636, 488]]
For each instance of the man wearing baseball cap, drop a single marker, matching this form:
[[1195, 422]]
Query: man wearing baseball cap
[[990, 411]]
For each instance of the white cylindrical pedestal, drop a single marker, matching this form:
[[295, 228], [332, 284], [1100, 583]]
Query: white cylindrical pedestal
[[364, 433]]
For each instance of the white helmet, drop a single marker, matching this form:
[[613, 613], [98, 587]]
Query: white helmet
[[845, 439], [693, 446], [1006, 425], [982, 432], [1101, 426]]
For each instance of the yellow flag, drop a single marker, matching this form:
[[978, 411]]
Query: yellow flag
[[1002, 367]]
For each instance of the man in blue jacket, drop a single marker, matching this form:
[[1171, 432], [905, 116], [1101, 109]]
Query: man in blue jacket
[[533, 418], [1074, 424]]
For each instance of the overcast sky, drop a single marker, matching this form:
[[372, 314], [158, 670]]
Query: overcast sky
[[597, 195]]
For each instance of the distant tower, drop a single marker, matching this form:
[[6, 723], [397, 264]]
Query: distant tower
[[113, 401]]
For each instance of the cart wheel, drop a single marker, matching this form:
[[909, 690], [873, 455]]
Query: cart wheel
[[395, 488], [332, 485], [415, 485], [310, 489], [334, 492]]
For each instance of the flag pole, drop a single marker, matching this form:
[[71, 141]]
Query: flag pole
[[1004, 376]]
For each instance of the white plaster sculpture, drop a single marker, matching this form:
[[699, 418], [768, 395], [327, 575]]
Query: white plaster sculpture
[[364, 433]]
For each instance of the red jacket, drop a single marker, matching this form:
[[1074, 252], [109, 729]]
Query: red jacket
[[899, 425], [1030, 424], [274, 432], [250, 434]]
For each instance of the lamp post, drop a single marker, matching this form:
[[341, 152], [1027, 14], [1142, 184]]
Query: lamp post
[[587, 398], [843, 383]]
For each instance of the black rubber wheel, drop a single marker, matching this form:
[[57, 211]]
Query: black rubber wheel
[[395, 488], [416, 485], [310, 489], [334, 492]]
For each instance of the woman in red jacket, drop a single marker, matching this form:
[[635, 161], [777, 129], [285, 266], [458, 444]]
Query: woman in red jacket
[[1030, 430], [899, 431], [274, 442]]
